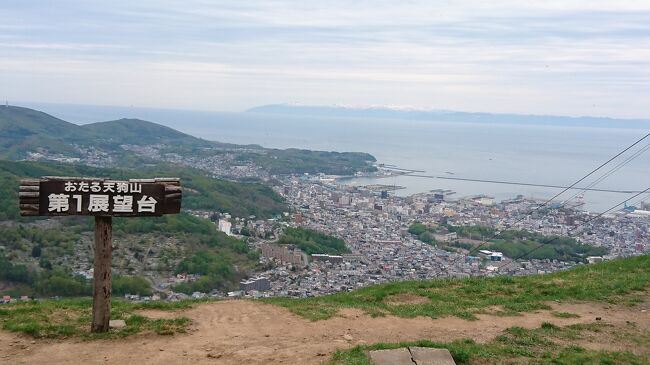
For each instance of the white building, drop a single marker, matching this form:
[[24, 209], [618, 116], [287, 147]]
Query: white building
[[225, 226]]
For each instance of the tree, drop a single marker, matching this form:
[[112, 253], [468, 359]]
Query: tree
[[417, 228], [131, 285], [45, 263], [427, 237]]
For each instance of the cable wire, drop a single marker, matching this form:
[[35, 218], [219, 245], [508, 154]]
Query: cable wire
[[612, 171], [498, 232], [569, 234]]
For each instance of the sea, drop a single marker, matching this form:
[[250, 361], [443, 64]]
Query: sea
[[537, 154]]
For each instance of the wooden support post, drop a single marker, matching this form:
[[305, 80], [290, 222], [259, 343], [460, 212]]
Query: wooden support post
[[102, 274]]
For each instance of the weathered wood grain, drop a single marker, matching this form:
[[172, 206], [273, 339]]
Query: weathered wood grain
[[102, 274]]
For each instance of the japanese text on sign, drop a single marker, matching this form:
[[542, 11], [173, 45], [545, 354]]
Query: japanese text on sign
[[101, 198]]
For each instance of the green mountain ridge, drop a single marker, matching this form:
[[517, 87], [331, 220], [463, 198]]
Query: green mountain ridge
[[25, 122], [25, 130], [138, 131]]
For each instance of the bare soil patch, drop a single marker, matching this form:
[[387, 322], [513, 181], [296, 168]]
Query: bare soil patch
[[248, 332], [405, 298], [159, 314]]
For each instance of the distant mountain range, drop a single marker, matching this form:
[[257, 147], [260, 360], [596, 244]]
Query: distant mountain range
[[382, 112]]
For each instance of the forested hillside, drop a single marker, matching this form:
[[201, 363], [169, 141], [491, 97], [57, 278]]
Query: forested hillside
[[202, 192], [38, 256], [311, 241], [28, 133]]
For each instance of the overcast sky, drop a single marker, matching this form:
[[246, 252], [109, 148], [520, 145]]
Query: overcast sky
[[566, 57]]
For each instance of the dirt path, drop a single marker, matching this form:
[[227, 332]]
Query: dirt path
[[246, 332]]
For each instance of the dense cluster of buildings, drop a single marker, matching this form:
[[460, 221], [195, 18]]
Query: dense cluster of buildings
[[375, 226]]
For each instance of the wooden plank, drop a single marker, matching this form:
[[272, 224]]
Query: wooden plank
[[25, 200], [62, 178], [172, 189], [30, 182], [26, 188], [173, 203], [72, 178], [29, 207], [171, 210], [175, 196], [28, 194], [102, 274], [172, 207]]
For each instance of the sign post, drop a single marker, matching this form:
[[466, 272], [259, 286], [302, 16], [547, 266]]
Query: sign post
[[102, 274], [103, 199]]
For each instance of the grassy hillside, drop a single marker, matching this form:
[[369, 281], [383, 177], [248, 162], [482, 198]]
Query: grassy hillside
[[140, 132], [23, 129], [621, 283], [311, 241], [524, 244], [20, 122], [297, 161], [548, 344], [70, 317], [512, 243], [616, 281], [36, 260]]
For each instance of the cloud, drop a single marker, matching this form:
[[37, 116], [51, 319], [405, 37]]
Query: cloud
[[501, 55]]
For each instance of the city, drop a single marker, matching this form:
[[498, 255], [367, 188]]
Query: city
[[375, 227], [374, 222]]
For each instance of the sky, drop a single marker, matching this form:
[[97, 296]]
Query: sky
[[567, 57]]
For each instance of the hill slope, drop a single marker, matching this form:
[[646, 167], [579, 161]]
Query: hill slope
[[566, 333], [38, 256], [466, 298], [25, 130], [24, 122], [27, 133], [140, 132]]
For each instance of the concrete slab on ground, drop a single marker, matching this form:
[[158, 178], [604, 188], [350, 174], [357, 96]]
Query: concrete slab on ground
[[411, 356], [116, 323], [391, 357], [431, 356]]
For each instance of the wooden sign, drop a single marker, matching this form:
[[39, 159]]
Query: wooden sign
[[58, 196], [104, 199]]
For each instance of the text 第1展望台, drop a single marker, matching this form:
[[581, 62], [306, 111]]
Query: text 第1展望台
[[115, 198]]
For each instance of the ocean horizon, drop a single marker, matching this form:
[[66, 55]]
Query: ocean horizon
[[529, 153]]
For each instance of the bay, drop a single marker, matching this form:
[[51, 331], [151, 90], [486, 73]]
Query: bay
[[540, 154]]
